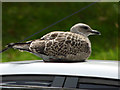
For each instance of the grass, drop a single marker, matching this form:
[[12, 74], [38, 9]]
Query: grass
[[21, 20], [111, 54]]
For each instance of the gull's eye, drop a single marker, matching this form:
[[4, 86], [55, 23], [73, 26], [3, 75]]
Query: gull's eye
[[84, 27]]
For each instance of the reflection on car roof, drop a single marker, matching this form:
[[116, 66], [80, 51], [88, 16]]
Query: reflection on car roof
[[91, 68]]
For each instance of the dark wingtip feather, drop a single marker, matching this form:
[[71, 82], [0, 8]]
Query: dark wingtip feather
[[10, 45]]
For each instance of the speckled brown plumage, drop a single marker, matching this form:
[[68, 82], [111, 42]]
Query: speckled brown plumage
[[62, 45]]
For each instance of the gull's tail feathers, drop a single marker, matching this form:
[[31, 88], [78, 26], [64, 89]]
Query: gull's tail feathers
[[19, 46]]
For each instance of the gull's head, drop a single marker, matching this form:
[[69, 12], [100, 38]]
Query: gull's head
[[82, 28]]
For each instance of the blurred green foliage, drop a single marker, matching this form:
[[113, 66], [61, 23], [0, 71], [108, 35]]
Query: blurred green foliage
[[20, 20]]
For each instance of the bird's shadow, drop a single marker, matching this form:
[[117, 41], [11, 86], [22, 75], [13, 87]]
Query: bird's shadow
[[64, 61], [41, 61]]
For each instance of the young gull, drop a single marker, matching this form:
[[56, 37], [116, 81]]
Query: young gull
[[61, 46]]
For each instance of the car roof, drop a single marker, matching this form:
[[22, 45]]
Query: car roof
[[89, 68]]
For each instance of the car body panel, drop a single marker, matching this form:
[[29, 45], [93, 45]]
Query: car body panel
[[90, 68]]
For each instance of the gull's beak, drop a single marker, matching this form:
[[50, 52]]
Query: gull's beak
[[95, 32]]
